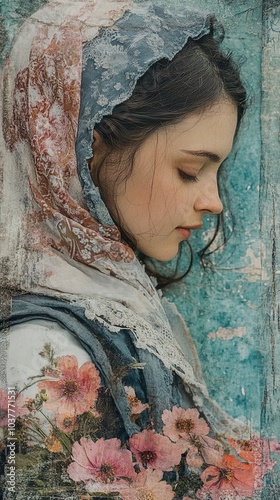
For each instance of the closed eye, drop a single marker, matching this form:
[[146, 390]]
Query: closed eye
[[187, 177]]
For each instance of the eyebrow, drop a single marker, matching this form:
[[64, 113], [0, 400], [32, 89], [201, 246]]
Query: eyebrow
[[207, 154]]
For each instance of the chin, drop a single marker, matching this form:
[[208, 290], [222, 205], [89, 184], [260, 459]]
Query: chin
[[164, 256]]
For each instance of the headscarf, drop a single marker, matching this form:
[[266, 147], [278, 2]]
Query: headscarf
[[72, 62]]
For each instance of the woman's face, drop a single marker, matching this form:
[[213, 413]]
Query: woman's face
[[174, 180]]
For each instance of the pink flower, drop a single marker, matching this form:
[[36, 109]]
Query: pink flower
[[15, 405], [193, 458], [75, 391], [155, 451], [135, 404], [204, 449], [256, 451], [238, 474], [180, 424], [148, 485], [232, 476], [66, 423], [102, 461], [211, 450]]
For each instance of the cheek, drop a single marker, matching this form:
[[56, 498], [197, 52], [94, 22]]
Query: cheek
[[185, 202], [173, 198], [153, 200], [169, 198]]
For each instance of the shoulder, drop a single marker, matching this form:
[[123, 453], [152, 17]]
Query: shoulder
[[26, 343]]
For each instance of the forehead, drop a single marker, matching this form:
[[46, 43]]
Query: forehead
[[212, 129]]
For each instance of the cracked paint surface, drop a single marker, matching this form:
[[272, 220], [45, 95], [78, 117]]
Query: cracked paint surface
[[227, 333], [232, 307]]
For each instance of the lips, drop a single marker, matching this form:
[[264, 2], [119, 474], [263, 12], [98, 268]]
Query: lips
[[185, 231], [198, 226]]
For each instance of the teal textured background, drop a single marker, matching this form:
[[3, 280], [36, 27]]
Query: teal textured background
[[232, 308]]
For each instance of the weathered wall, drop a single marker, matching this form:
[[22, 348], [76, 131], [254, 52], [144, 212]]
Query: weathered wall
[[270, 230]]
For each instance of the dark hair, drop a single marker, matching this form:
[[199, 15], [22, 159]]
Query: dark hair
[[198, 76]]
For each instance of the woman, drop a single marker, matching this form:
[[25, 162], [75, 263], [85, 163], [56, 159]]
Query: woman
[[117, 118]]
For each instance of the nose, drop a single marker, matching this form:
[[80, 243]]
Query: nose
[[208, 200]]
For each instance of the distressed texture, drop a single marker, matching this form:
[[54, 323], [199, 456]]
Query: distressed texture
[[227, 333], [270, 229], [13, 13], [232, 308]]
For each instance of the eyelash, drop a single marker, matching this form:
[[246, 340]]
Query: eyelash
[[186, 177]]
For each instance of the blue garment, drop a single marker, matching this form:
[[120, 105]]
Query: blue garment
[[114, 355]]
